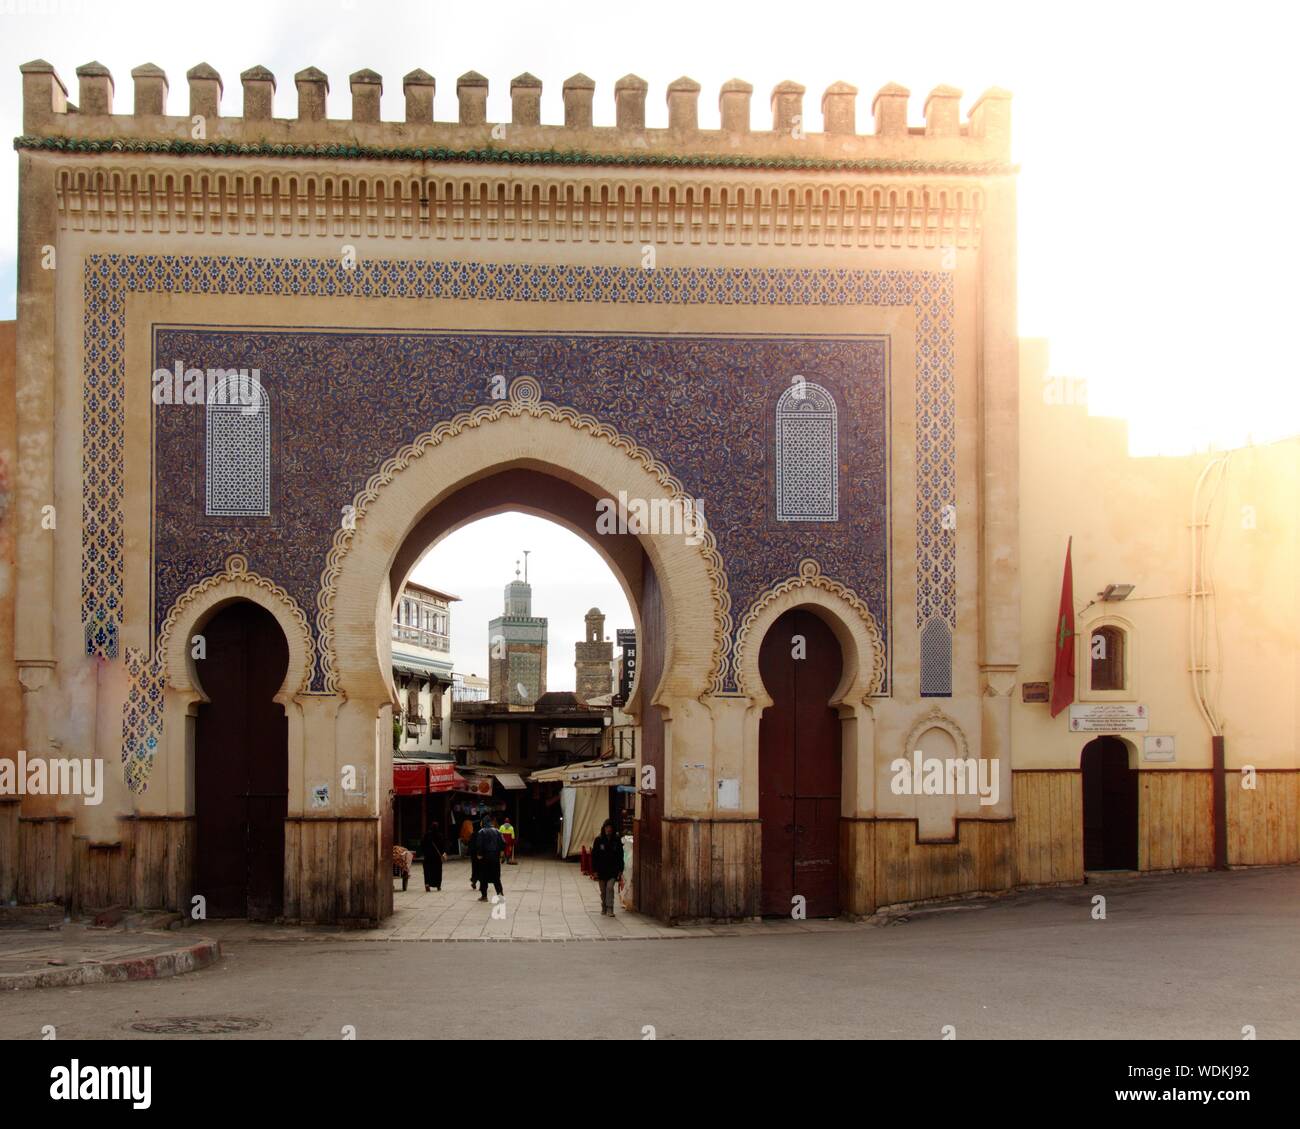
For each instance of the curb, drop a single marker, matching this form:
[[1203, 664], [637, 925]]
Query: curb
[[156, 967]]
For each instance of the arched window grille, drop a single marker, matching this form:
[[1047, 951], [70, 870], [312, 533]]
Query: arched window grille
[[238, 447], [1106, 658], [936, 660], [807, 455]]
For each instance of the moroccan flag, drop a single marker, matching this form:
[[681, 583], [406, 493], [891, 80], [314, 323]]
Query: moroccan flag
[[1063, 673]]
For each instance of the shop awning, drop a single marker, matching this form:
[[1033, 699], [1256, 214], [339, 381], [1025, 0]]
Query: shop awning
[[510, 781], [421, 667], [584, 773], [414, 778], [410, 779], [444, 778]]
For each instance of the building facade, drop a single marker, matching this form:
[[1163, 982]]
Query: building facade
[[422, 670], [784, 359]]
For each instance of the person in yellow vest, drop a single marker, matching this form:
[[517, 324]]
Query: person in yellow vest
[[508, 835]]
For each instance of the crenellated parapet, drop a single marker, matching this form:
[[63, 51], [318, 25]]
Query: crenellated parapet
[[790, 138]]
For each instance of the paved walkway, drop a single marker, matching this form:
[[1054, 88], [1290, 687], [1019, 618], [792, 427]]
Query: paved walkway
[[545, 900]]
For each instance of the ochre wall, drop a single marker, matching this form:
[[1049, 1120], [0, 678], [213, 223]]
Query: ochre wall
[[11, 698], [1129, 518]]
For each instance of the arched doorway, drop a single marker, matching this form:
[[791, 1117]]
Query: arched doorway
[[241, 769], [1110, 806], [464, 470], [799, 776]]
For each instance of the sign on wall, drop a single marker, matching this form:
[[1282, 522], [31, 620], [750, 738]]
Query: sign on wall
[[627, 668], [1108, 717], [1158, 748]]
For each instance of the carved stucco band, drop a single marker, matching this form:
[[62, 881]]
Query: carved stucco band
[[242, 582], [810, 576], [524, 398]]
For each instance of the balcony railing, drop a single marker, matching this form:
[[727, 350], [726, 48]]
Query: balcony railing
[[405, 633], [462, 693]]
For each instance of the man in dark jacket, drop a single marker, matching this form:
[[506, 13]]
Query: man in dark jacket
[[487, 853], [607, 862]]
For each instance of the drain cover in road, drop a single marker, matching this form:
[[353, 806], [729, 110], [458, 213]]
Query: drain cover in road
[[198, 1025]]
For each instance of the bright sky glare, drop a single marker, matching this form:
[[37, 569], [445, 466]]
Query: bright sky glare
[[1156, 142]]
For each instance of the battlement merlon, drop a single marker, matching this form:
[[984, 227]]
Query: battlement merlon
[[981, 144]]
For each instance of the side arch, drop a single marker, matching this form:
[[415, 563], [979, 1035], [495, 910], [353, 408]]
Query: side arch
[[199, 603], [843, 610]]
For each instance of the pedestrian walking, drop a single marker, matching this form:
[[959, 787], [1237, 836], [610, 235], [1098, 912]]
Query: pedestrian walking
[[607, 862], [434, 856], [467, 848], [507, 830], [487, 850], [402, 859]]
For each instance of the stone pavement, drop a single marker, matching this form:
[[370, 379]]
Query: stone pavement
[[545, 900]]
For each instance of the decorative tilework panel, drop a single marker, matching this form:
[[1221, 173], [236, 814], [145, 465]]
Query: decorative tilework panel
[[659, 393], [345, 401], [142, 719]]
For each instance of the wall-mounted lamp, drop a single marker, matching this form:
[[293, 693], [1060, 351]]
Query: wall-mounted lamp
[[1114, 592]]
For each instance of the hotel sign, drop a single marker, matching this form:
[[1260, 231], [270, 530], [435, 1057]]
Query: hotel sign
[[627, 671]]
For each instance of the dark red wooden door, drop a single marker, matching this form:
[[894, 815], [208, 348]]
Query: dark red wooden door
[[799, 767], [241, 765], [1110, 806]]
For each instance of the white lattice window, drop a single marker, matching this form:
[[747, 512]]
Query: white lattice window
[[936, 660], [238, 448], [807, 455]]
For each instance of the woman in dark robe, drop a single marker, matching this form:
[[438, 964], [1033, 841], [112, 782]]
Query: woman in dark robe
[[431, 847]]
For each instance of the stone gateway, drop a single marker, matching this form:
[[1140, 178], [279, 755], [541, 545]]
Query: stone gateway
[[800, 346]]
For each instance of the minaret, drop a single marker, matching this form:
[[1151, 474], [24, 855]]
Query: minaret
[[594, 660], [517, 646]]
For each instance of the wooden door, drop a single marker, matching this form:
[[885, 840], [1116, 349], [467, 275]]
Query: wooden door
[[241, 765], [1110, 807], [799, 767]]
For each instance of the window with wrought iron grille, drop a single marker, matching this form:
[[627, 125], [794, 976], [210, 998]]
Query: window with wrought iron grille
[[1106, 658], [936, 660], [238, 448], [807, 455]]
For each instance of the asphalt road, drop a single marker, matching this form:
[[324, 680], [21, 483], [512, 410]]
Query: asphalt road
[[1188, 956]]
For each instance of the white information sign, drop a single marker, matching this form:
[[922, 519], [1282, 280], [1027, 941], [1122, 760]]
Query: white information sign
[[1108, 717], [729, 795], [1158, 748]]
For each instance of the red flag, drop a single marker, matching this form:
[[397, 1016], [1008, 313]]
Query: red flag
[[1063, 673]]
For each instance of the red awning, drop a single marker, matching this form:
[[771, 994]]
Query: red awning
[[416, 779], [444, 778], [410, 779]]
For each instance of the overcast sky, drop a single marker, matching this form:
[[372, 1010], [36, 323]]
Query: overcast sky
[[568, 577], [1157, 240]]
